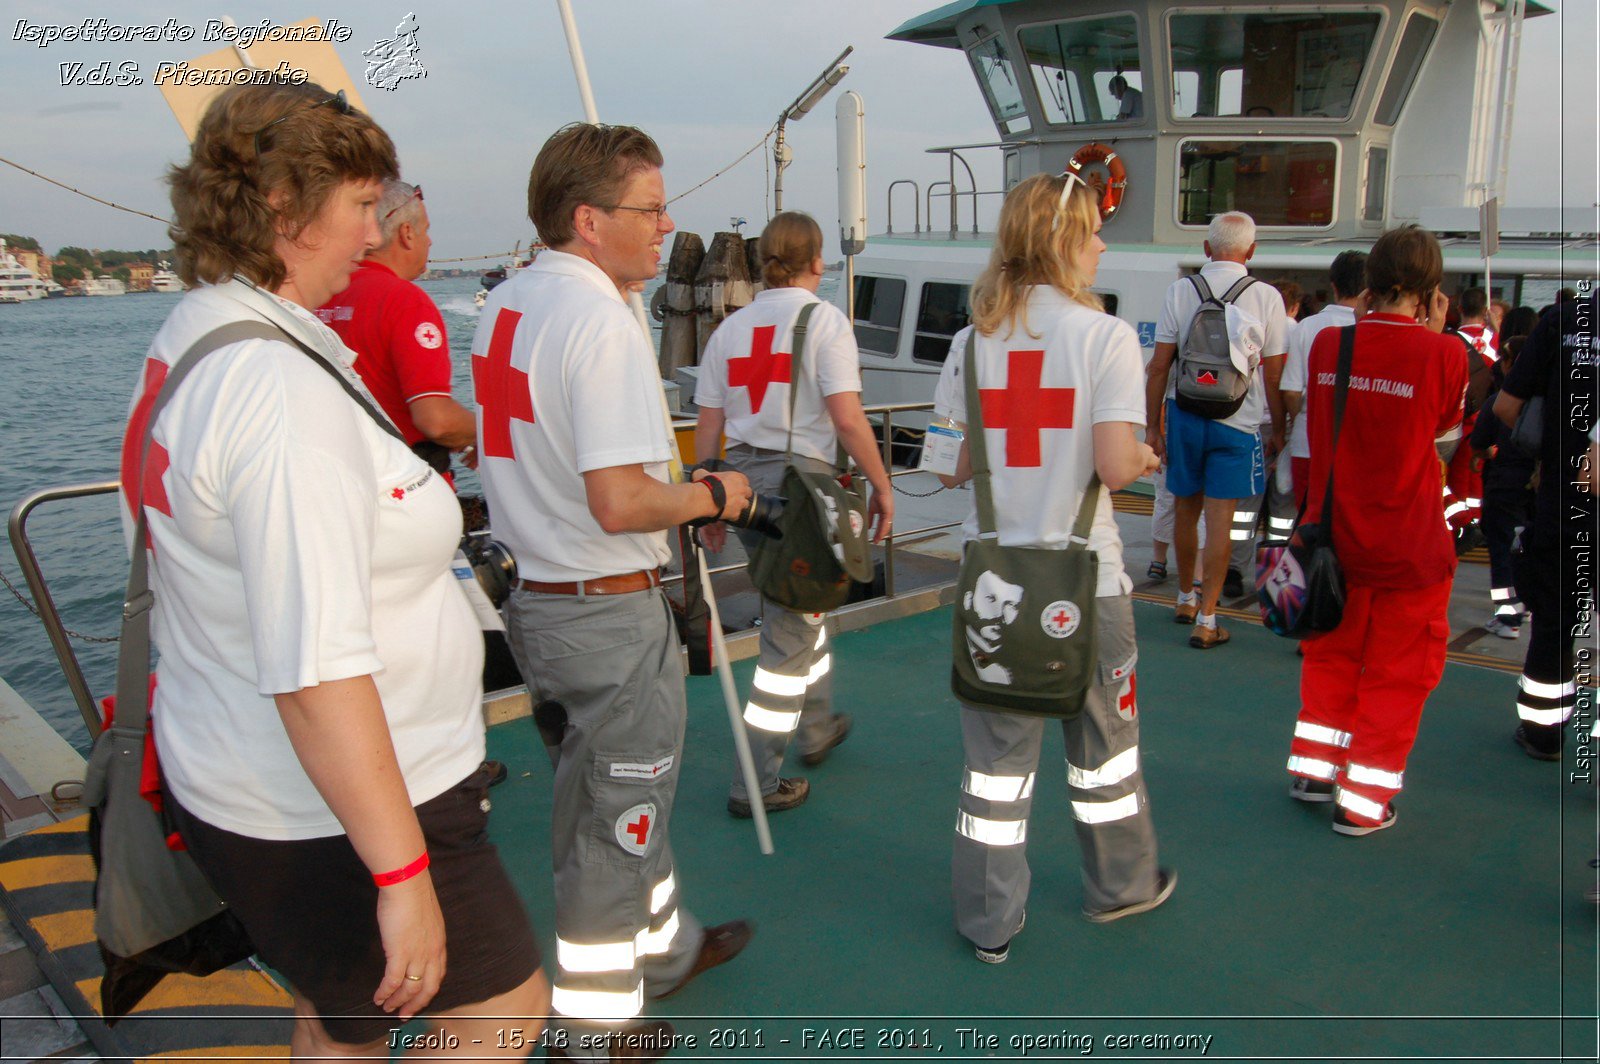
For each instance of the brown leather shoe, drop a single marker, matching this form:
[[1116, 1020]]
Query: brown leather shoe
[[721, 944], [792, 791], [644, 1040], [1203, 638], [1185, 614]]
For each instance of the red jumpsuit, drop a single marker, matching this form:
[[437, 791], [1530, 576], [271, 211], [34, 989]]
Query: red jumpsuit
[[1463, 486], [1363, 685]]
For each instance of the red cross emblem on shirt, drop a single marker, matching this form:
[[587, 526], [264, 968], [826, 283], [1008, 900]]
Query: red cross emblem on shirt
[[1024, 409], [764, 366], [499, 389], [151, 491], [640, 829], [398, 493]]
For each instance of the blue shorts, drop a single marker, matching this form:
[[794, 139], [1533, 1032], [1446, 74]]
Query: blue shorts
[[1206, 457]]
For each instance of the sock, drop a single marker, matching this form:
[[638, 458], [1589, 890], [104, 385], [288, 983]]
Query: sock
[[1187, 598], [1206, 620]]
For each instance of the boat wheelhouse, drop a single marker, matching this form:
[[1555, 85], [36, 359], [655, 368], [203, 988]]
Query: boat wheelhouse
[[1327, 123]]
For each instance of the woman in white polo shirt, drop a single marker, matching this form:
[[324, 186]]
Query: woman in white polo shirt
[[1046, 349], [318, 711], [745, 378]]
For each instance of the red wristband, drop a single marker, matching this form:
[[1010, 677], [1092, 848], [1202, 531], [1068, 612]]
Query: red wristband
[[400, 875]]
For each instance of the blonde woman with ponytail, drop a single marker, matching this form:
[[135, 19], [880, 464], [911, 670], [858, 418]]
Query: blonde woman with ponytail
[[1062, 388], [744, 383]]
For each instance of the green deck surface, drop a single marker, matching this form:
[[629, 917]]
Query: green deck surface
[[1461, 933]]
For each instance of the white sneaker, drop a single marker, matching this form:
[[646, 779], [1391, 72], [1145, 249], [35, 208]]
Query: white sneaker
[[1495, 626]]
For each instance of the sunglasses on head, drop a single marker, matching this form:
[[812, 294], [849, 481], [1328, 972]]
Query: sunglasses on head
[[1071, 179], [416, 195], [337, 100]]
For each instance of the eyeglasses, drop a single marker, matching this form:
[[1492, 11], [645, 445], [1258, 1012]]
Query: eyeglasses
[[416, 195], [654, 212], [336, 100], [1071, 180]]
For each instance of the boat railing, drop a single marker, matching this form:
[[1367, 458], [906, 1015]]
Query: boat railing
[[916, 206], [953, 155], [61, 637], [44, 604]]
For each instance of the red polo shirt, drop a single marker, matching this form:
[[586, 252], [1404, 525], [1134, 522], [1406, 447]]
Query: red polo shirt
[[1406, 384], [402, 353]]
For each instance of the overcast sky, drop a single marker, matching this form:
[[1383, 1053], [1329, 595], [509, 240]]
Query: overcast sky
[[705, 77]]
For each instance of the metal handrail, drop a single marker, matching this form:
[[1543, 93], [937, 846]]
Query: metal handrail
[[916, 205], [17, 528]]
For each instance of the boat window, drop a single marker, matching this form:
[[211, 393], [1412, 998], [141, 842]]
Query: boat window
[[1074, 63], [1276, 182], [1110, 300], [1408, 56], [998, 79], [1288, 64], [1377, 179], [943, 314], [879, 303]]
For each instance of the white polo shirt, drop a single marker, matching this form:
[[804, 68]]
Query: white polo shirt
[[565, 383], [746, 372], [1332, 316], [1081, 368], [1260, 300], [294, 542]]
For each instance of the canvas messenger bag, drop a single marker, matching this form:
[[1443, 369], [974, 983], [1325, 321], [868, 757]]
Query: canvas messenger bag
[[1024, 633]]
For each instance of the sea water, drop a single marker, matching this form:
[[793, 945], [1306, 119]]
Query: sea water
[[70, 367]]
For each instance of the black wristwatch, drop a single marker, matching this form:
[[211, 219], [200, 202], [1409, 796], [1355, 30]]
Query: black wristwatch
[[719, 495]]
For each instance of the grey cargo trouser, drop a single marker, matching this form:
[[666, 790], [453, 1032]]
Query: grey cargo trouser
[[613, 664], [793, 686], [1115, 835]]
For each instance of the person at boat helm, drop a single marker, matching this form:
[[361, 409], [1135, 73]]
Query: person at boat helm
[[398, 335], [1212, 464], [1130, 101], [744, 388], [576, 459], [1363, 684], [1039, 330], [319, 711]]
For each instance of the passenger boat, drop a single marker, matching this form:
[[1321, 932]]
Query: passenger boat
[[18, 284], [105, 286], [164, 280], [1464, 933]]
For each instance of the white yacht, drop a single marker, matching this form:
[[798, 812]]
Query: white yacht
[[164, 280], [18, 284], [104, 286], [1322, 122]]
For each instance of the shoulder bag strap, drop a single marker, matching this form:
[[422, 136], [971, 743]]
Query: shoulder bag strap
[[977, 447], [1341, 388], [1201, 289], [795, 362], [1238, 288]]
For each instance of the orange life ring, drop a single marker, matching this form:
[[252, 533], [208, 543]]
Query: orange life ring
[[1111, 198]]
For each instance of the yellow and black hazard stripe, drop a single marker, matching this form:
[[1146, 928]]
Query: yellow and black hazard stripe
[[47, 887]]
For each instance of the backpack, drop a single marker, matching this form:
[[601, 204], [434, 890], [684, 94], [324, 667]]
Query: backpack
[[1479, 376], [1209, 384]]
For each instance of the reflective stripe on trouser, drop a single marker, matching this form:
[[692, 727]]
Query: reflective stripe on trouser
[[990, 874], [1545, 703], [1507, 606], [792, 691], [1557, 591], [615, 668], [1362, 688], [1280, 507], [1463, 499], [1246, 515]]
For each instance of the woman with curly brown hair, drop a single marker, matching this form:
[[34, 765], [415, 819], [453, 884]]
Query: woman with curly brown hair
[[318, 711]]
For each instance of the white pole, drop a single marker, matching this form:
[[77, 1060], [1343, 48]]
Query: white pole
[[730, 694]]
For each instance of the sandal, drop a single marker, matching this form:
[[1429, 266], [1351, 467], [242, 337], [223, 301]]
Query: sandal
[[1157, 571]]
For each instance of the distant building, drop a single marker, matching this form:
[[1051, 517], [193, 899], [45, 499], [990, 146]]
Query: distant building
[[35, 262], [139, 274]]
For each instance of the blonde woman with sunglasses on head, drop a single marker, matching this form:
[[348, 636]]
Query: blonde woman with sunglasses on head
[[1062, 388]]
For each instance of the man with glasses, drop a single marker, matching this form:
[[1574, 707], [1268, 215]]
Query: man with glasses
[[402, 353], [576, 463]]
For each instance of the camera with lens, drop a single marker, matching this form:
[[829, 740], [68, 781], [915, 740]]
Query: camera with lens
[[761, 514], [492, 566]]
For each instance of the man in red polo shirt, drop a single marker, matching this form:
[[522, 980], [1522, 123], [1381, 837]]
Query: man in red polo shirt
[[402, 353]]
